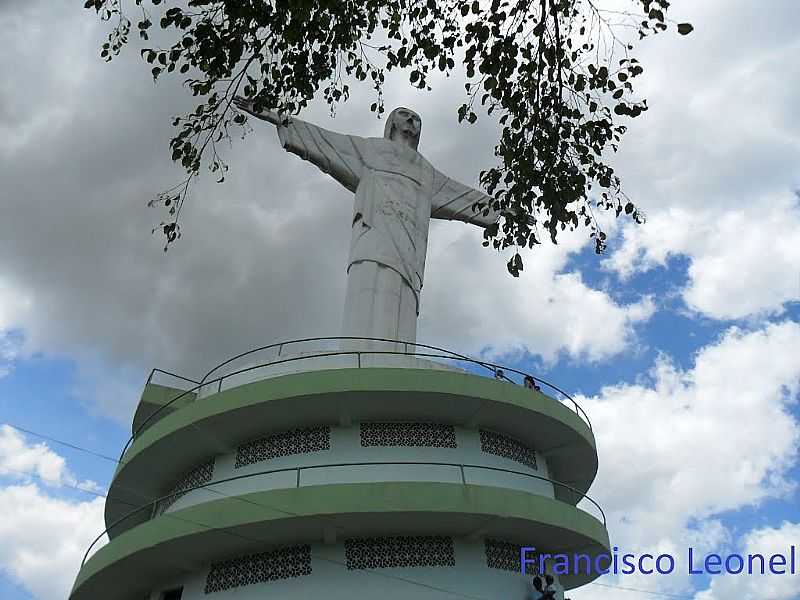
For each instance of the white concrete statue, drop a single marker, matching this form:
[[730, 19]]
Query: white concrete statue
[[397, 192]]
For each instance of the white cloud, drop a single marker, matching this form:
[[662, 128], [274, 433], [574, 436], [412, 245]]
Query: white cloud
[[470, 302], [765, 541], [679, 450], [715, 160], [20, 460], [9, 350], [43, 539], [698, 442], [11, 307], [744, 260]]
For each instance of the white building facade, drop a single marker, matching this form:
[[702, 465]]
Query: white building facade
[[338, 480]]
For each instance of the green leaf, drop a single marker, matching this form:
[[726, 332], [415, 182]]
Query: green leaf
[[685, 28]]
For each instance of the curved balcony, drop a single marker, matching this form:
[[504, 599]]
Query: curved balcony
[[296, 477], [164, 452], [303, 355], [232, 525], [458, 489]]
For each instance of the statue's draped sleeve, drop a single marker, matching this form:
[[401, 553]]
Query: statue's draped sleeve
[[334, 153], [454, 201]]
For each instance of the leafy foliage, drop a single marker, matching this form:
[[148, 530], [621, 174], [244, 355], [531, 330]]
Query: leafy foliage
[[555, 72]]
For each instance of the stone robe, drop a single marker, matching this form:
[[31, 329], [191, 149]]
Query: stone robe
[[397, 192]]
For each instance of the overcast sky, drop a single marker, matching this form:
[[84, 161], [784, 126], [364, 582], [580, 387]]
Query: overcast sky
[[681, 341]]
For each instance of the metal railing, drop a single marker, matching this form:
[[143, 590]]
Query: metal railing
[[176, 376], [499, 371], [280, 346], [151, 506]]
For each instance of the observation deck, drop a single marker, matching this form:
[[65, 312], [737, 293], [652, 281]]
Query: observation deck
[[412, 466]]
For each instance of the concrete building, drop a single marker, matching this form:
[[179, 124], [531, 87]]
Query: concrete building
[[302, 472]]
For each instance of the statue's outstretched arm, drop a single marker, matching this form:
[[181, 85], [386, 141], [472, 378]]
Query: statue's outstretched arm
[[334, 153], [454, 201]]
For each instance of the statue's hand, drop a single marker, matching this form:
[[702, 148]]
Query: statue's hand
[[246, 106], [265, 115], [514, 213]]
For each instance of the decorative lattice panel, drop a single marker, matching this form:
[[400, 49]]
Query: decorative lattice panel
[[420, 551], [408, 434], [507, 447], [259, 568], [286, 443], [503, 555], [198, 476]]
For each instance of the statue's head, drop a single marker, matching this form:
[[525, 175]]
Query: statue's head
[[403, 125]]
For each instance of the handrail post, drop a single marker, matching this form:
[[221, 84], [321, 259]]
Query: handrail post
[[358, 354], [463, 479], [219, 385], [298, 476]]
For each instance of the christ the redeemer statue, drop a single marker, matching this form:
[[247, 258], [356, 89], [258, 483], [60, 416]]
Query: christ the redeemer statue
[[397, 192]]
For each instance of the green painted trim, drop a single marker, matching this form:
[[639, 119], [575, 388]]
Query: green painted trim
[[157, 394], [154, 396], [275, 505], [356, 380]]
